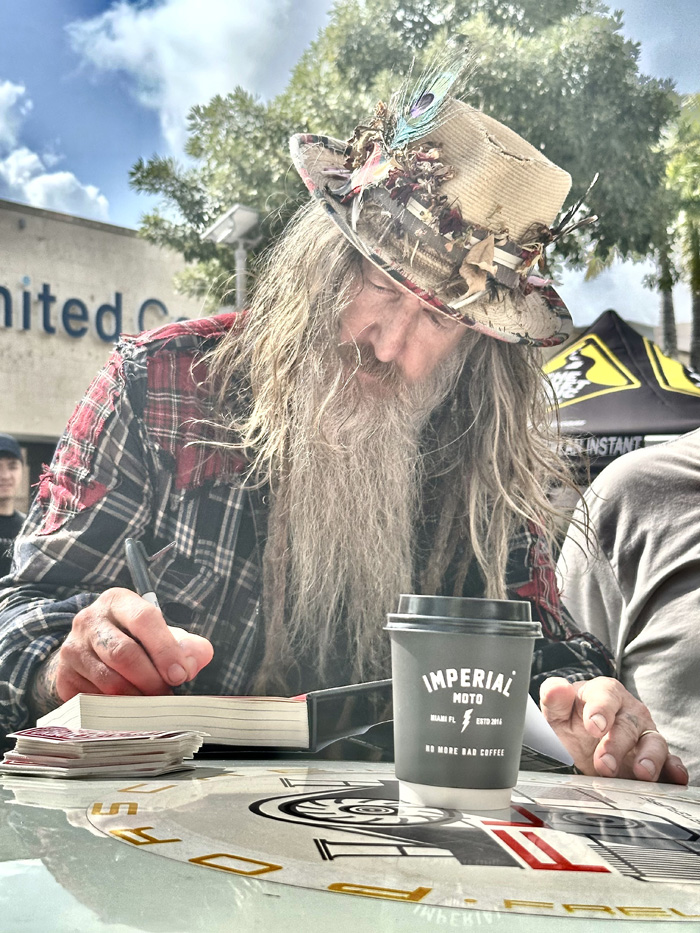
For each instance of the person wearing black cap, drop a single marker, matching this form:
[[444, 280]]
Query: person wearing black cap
[[11, 464]]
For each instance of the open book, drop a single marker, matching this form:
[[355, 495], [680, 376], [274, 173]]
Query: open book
[[310, 721]]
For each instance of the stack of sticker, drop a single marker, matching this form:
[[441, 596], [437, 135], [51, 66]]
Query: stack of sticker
[[56, 751]]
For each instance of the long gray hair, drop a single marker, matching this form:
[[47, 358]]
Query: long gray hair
[[491, 455]]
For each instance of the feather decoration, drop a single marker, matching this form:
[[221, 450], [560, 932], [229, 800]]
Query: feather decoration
[[539, 236], [372, 172], [416, 113], [565, 226]]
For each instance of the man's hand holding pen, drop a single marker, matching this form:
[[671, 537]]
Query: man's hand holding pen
[[121, 644]]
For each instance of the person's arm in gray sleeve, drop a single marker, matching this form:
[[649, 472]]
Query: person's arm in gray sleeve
[[590, 589]]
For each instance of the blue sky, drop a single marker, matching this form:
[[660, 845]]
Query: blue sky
[[89, 86]]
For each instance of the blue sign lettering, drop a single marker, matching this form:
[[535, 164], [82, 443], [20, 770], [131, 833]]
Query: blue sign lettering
[[46, 299], [69, 316], [74, 316], [148, 303], [7, 301], [116, 310], [26, 310]]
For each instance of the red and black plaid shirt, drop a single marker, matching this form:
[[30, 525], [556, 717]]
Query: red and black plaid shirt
[[131, 464]]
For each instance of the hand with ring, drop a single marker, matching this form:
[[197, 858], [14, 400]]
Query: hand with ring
[[608, 731]]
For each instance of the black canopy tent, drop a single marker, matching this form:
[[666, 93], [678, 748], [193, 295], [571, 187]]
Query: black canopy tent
[[617, 391]]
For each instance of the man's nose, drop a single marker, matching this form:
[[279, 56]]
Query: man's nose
[[394, 329]]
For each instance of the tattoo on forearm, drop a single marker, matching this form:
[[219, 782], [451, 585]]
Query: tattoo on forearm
[[43, 694]]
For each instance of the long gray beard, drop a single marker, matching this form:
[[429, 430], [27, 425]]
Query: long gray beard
[[352, 500]]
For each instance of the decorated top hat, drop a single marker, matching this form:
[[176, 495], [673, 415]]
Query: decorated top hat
[[450, 203]]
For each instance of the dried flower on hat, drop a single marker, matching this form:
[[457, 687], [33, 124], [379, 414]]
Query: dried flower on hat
[[450, 203]]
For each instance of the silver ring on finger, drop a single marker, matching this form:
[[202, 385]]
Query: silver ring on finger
[[649, 732]]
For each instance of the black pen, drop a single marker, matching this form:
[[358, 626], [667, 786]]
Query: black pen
[[137, 561]]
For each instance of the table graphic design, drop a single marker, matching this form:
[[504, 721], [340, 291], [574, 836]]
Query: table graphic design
[[569, 846]]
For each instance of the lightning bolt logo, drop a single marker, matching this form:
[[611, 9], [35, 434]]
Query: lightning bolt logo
[[467, 718]]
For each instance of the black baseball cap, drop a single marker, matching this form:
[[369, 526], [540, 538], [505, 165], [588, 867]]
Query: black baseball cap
[[10, 448]]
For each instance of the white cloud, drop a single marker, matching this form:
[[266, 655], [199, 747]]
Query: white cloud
[[13, 107], [19, 167], [26, 176], [61, 191], [176, 53]]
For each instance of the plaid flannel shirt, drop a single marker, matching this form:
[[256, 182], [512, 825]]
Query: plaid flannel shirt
[[129, 465]]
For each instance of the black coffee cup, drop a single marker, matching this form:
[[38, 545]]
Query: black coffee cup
[[461, 673]]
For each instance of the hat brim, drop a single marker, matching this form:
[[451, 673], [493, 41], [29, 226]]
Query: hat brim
[[540, 318]]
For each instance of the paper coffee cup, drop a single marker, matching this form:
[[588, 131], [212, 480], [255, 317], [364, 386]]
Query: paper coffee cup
[[461, 673]]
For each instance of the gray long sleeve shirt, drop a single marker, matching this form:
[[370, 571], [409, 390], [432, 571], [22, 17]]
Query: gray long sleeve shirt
[[639, 591]]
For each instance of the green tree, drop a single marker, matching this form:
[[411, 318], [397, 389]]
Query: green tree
[[560, 73], [667, 273], [667, 277], [684, 183], [238, 147]]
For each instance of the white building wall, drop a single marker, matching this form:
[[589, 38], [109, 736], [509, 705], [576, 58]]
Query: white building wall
[[51, 349]]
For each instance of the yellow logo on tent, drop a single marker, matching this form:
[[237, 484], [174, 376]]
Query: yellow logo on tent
[[670, 374], [587, 369]]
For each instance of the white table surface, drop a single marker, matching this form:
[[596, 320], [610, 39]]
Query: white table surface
[[63, 871]]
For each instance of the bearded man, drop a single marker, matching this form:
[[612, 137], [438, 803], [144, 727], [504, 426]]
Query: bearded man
[[374, 424]]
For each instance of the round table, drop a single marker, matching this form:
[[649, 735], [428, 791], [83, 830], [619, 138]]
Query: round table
[[304, 846]]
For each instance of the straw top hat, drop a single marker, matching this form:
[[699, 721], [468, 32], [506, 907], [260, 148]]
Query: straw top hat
[[450, 203]]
